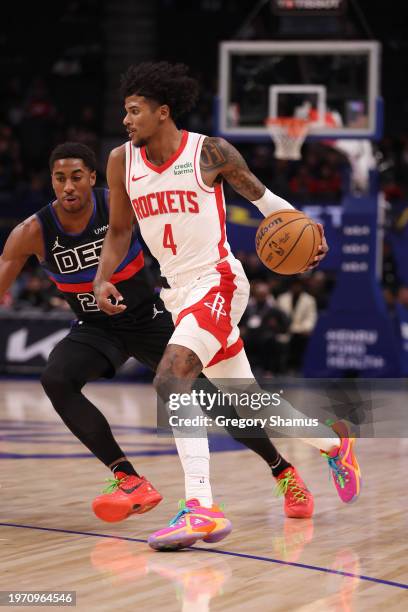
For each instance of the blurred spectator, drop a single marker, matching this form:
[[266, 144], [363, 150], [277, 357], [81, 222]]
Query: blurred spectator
[[36, 194], [262, 325], [33, 294], [42, 100], [389, 270], [275, 284], [262, 164], [9, 160], [402, 296], [390, 299], [259, 303], [85, 129], [301, 308], [328, 184], [279, 183], [317, 286], [302, 185], [37, 125], [253, 267]]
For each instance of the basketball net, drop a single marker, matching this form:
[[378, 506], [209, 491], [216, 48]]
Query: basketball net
[[288, 134]]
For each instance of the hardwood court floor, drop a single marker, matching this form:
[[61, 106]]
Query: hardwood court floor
[[347, 558]]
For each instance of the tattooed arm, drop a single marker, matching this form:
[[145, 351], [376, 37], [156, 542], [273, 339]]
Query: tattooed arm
[[219, 159]]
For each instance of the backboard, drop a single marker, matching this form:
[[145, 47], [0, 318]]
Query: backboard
[[334, 83]]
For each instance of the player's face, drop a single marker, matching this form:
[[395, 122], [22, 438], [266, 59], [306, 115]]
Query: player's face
[[72, 182], [142, 119]]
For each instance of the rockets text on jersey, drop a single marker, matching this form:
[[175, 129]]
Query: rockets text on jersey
[[181, 219]]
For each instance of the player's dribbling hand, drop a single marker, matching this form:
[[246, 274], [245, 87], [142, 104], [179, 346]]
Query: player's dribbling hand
[[104, 292], [322, 252]]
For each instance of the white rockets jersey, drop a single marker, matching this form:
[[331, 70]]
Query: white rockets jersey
[[181, 219]]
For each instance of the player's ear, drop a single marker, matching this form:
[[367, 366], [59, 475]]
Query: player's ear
[[164, 112], [93, 178]]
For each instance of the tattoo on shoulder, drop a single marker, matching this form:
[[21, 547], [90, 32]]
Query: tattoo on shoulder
[[220, 157], [212, 155]]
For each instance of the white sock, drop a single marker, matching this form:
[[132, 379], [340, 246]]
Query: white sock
[[195, 458], [324, 444]]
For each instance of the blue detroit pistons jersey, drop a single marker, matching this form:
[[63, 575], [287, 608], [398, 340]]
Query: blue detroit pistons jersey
[[71, 261]]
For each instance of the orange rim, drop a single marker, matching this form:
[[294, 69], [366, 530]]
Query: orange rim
[[293, 126]]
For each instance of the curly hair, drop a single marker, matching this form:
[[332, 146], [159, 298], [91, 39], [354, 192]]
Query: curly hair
[[74, 150], [163, 83]]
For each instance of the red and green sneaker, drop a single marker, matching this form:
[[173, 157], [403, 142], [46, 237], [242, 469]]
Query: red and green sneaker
[[125, 495], [298, 499]]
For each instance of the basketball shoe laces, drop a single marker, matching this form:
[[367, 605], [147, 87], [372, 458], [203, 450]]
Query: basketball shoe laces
[[184, 509], [289, 482], [339, 472], [114, 484]]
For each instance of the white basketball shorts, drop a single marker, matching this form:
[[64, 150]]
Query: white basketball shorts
[[206, 307]]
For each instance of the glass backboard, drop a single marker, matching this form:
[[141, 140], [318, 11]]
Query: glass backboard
[[333, 84]]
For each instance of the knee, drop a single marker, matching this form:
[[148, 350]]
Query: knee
[[176, 371], [56, 382], [178, 362], [169, 380]]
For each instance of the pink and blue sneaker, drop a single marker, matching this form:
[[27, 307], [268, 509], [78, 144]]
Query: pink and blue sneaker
[[193, 522], [344, 465]]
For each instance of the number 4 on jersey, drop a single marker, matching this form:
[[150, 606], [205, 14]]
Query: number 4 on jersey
[[168, 239]]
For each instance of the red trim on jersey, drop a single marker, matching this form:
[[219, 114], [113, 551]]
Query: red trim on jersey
[[130, 270], [130, 166], [171, 160], [213, 311], [196, 174], [227, 353], [221, 214]]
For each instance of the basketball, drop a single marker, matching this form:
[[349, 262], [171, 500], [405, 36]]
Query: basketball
[[287, 241]]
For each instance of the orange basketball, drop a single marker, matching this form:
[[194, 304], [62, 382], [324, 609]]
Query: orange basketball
[[287, 241]]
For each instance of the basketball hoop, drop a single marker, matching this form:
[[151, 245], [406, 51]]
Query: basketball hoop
[[288, 134]]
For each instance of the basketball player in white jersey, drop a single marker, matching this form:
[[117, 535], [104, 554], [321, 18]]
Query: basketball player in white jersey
[[172, 181]]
